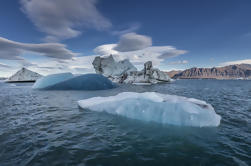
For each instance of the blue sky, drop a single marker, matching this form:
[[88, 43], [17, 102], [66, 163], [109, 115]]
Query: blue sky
[[59, 35]]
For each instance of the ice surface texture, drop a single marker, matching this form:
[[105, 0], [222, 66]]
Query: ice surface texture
[[67, 81], [51, 80], [156, 107], [109, 67], [24, 75]]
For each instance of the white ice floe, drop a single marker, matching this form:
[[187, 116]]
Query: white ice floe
[[156, 107], [142, 84]]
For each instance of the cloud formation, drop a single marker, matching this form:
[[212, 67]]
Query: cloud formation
[[60, 19], [139, 49], [245, 61], [134, 27], [65, 61], [77, 65], [173, 52], [106, 49], [178, 62], [133, 42], [139, 57], [12, 50], [4, 66]]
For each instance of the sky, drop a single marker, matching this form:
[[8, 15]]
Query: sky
[[53, 36]]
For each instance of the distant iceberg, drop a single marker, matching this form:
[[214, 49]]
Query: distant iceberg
[[67, 81], [156, 107], [24, 75]]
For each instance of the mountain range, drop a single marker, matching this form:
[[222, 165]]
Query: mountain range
[[238, 71]]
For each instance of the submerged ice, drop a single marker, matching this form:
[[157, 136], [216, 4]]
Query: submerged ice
[[67, 81], [156, 107]]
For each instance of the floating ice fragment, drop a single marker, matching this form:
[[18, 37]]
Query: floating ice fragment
[[156, 107]]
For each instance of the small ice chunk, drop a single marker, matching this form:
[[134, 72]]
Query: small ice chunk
[[156, 107]]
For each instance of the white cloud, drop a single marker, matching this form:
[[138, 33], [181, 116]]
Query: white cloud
[[156, 54], [153, 53], [77, 65], [61, 19], [178, 62], [2, 65], [60, 59], [133, 42], [83, 64], [12, 50], [173, 52], [6, 70], [106, 49], [132, 28], [245, 61]]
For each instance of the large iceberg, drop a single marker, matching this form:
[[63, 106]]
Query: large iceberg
[[51, 80], [111, 68], [67, 81], [124, 71], [156, 107], [148, 75]]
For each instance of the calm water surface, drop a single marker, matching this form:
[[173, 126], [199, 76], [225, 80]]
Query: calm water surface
[[48, 128]]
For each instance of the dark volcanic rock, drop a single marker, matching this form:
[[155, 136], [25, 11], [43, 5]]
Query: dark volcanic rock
[[227, 72]]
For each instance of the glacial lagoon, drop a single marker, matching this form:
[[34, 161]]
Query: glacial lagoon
[[49, 128]]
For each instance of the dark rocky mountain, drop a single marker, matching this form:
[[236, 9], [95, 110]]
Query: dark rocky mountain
[[227, 72], [173, 73]]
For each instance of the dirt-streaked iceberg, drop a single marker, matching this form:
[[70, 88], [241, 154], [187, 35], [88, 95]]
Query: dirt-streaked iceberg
[[125, 72], [156, 107], [67, 81], [111, 68]]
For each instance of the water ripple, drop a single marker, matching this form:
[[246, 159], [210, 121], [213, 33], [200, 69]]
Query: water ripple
[[48, 128]]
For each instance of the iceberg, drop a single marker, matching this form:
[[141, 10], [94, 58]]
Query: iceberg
[[125, 72], [111, 68], [24, 75], [67, 81], [148, 75], [51, 80], [156, 107]]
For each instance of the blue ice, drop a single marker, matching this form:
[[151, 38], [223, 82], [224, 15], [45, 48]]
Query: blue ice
[[51, 80], [68, 82]]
